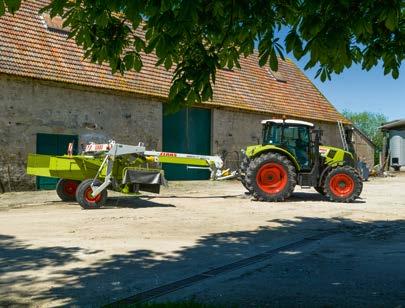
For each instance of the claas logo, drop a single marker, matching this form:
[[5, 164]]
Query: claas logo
[[167, 154]]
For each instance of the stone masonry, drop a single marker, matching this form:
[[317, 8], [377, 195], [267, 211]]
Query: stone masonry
[[29, 107]]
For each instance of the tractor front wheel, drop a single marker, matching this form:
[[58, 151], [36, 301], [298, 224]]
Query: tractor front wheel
[[343, 184], [271, 177], [84, 197], [66, 189]]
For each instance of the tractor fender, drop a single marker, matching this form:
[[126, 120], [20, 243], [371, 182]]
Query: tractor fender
[[324, 174], [271, 148]]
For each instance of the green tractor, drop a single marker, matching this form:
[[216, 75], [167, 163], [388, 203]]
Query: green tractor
[[291, 154]]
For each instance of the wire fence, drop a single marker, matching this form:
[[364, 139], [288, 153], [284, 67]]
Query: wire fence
[[232, 160]]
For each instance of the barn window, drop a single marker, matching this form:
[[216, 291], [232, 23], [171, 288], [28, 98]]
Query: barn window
[[55, 24], [277, 75]]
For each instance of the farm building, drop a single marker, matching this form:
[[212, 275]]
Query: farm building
[[50, 96]]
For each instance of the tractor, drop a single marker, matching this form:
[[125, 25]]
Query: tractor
[[291, 154]]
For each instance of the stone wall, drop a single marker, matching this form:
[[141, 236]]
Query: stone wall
[[364, 150], [330, 134], [28, 107], [233, 131]]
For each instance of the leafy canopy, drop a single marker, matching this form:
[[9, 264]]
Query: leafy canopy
[[368, 123], [194, 38]]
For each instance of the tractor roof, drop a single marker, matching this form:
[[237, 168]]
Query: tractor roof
[[280, 121]]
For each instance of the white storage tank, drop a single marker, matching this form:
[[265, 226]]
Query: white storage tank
[[397, 147], [395, 131]]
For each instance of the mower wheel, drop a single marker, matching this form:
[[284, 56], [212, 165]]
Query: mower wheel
[[66, 189], [271, 177], [343, 184], [84, 197]]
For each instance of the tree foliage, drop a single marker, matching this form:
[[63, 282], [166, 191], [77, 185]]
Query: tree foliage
[[368, 123], [195, 38]]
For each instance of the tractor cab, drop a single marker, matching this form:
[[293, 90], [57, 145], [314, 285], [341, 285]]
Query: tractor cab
[[293, 136]]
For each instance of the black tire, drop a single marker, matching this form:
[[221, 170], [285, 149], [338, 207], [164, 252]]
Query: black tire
[[243, 169], [320, 189], [284, 183], [66, 189], [343, 184], [85, 200]]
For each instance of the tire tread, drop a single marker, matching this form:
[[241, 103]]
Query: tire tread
[[357, 181], [254, 166]]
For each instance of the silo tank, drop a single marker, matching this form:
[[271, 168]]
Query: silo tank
[[397, 147]]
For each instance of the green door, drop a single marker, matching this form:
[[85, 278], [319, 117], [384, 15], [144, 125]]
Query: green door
[[52, 144], [187, 131]]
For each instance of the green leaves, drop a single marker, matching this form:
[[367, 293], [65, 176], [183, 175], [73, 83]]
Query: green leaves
[[194, 39], [11, 6], [132, 60], [2, 8], [268, 50], [273, 60], [293, 43], [324, 74]]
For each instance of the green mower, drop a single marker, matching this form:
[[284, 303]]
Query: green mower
[[128, 169]]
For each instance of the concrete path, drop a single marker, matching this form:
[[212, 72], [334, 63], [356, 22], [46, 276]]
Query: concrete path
[[53, 253]]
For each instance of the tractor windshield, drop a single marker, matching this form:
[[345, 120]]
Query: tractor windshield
[[294, 138]]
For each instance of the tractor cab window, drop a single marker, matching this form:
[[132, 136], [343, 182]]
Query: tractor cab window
[[295, 139], [272, 134]]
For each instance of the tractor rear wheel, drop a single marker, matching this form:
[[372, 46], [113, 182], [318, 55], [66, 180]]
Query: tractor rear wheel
[[343, 184], [243, 169], [271, 177], [84, 197], [66, 189]]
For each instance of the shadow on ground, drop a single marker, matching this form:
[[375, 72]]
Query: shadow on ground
[[20, 259], [131, 202], [134, 202], [314, 196], [150, 197], [295, 197], [124, 275]]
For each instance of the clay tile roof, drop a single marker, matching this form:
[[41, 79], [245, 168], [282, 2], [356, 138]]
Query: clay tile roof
[[29, 48]]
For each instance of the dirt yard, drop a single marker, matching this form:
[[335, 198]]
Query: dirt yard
[[54, 253]]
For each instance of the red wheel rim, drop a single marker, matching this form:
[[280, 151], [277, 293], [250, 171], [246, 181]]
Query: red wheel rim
[[70, 187], [89, 197], [341, 185], [272, 178]]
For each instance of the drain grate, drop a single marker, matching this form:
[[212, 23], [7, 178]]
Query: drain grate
[[179, 284]]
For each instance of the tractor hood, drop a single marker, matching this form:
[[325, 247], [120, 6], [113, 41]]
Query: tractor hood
[[336, 156]]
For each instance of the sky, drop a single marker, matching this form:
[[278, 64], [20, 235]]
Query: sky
[[357, 90]]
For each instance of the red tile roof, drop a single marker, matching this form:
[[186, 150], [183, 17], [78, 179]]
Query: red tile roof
[[29, 49]]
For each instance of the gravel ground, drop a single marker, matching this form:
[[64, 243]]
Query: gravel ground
[[53, 253]]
